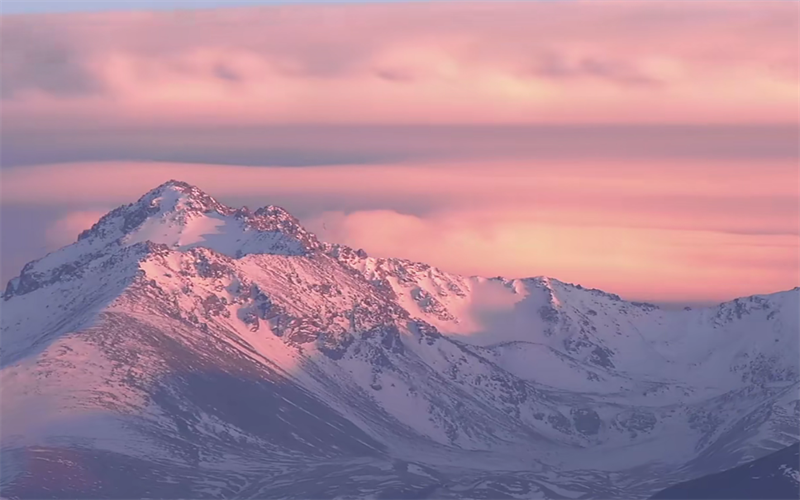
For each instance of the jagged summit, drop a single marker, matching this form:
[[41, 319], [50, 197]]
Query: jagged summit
[[179, 216], [181, 202]]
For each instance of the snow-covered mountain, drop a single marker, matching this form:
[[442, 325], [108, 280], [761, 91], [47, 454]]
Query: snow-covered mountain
[[182, 348]]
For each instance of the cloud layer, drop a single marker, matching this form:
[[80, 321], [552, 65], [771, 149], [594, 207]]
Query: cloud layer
[[671, 231], [65, 230], [656, 264], [438, 62]]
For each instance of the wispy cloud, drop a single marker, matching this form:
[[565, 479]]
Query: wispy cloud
[[671, 231], [338, 144], [641, 262], [66, 229]]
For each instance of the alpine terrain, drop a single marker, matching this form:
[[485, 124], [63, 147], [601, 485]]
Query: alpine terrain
[[183, 348]]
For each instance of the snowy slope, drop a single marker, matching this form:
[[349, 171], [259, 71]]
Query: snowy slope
[[774, 476], [215, 351]]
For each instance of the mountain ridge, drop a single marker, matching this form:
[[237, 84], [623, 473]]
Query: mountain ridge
[[172, 331], [270, 218]]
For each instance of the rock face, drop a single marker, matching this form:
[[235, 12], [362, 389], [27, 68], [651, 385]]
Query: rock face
[[182, 348]]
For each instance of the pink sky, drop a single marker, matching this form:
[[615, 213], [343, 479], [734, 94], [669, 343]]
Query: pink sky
[[671, 232], [471, 62], [714, 218]]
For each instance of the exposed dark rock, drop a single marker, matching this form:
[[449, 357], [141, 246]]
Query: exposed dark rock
[[586, 421], [601, 356]]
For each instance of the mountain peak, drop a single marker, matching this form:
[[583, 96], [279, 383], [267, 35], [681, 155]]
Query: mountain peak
[[177, 216], [180, 215], [186, 192], [175, 197], [176, 184]]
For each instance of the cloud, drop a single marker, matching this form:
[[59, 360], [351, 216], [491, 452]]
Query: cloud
[[481, 63], [646, 263], [637, 142], [681, 195], [66, 229], [43, 61], [340, 144], [661, 231]]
